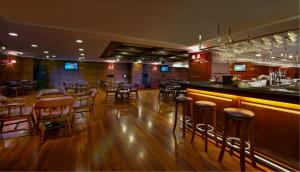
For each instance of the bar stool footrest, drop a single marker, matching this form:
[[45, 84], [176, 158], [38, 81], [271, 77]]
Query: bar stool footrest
[[236, 144]]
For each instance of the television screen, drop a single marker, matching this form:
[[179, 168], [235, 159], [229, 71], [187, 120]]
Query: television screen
[[71, 66], [239, 68], [164, 68]]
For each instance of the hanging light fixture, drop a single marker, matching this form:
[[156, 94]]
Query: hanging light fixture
[[200, 42], [229, 35], [218, 35]]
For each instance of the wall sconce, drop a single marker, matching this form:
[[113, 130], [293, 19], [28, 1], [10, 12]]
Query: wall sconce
[[198, 58], [110, 66], [154, 68]]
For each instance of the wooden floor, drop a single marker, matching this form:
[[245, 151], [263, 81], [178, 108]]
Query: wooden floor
[[125, 136]]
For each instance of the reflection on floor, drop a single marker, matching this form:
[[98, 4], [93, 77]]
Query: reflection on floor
[[135, 135]]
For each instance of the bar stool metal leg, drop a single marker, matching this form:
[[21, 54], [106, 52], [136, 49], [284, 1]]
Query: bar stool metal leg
[[251, 138], [176, 115], [184, 111], [224, 140], [242, 147]]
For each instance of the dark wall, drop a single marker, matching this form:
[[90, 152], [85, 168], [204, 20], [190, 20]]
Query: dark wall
[[200, 71], [88, 71], [22, 70], [55, 74]]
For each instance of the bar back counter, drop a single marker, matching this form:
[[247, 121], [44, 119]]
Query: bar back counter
[[276, 125]]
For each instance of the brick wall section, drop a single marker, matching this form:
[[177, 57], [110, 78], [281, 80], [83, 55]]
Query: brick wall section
[[22, 70], [88, 71]]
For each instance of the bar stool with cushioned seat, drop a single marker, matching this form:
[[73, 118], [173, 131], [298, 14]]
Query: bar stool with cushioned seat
[[243, 120], [187, 104], [208, 109]]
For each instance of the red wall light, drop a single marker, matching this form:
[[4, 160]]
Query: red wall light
[[154, 68], [110, 66]]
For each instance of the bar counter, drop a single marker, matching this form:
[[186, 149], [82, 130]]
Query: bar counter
[[277, 117]]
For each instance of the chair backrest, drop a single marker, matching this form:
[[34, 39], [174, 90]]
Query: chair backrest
[[62, 104], [92, 92], [12, 83], [3, 90], [51, 92]]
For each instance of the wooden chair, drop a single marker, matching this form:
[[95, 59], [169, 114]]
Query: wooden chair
[[3, 89], [110, 90], [85, 103], [134, 90], [54, 113], [14, 88], [13, 112], [164, 91]]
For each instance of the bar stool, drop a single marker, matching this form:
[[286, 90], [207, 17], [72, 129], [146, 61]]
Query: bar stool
[[186, 103], [243, 120], [208, 109]]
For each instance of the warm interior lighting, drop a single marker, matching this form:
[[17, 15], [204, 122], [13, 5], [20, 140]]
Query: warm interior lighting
[[272, 57], [53, 56], [46, 52], [248, 99], [154, 68], [34, 45], [12, 34], [110, 66], [80, 49], [3, 48], [193, 57], [79, 41], [258, 55], [290, 56], [82, 54]]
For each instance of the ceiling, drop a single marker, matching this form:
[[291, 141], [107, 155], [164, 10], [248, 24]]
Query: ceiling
[[55, 25], [120, 51]]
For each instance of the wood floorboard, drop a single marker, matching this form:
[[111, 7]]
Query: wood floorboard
[[135, 135]]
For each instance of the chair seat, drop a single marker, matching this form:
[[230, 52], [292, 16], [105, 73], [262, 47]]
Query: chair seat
[[84, 103], [239, 113], [183, 99], [14, 88], [55, 112], [15, 112], [205, 104]]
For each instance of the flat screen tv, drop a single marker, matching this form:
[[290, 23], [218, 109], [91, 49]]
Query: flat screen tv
[[164, 68], [71, 66], [239, 68]]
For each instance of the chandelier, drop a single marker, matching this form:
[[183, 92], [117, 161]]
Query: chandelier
[[275, 49]]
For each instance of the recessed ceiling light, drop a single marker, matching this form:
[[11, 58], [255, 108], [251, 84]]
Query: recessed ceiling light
[[281, 54], [79, 58], [46, 52], [34, 45], [258, 55], [290, 56], [20, 53], [47, 56], [79, 41], [53, 56], [83, 57], [82, 54], [12, 34], [81, 49], [3, 48], [272, 57], [117, 60]]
